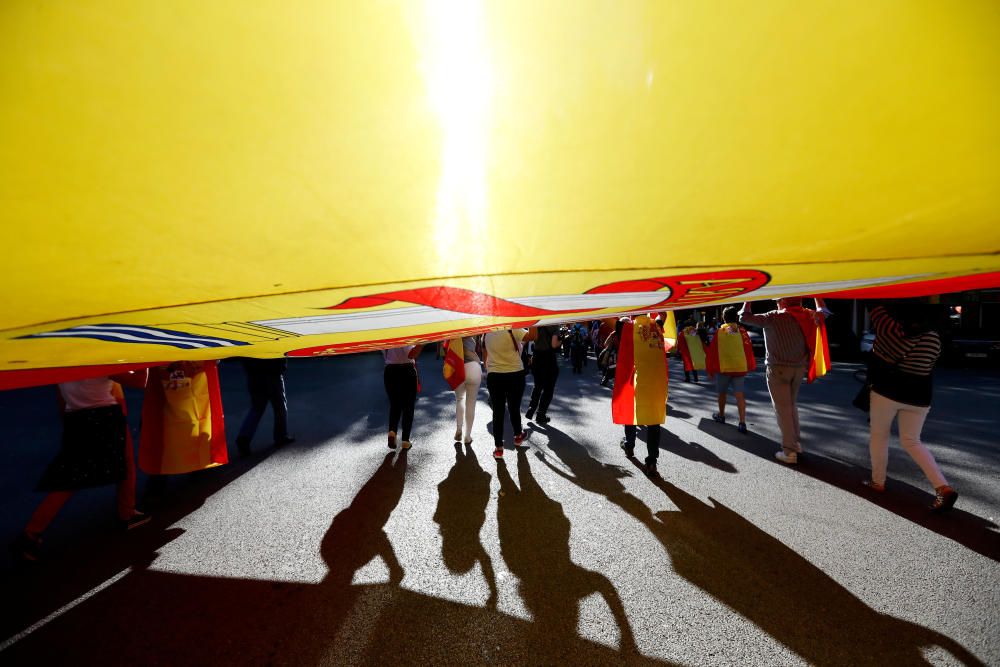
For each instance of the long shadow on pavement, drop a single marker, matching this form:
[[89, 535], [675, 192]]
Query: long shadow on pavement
[[904, 500], [157, 618]]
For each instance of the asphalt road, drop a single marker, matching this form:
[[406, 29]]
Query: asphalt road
[[332, 551]]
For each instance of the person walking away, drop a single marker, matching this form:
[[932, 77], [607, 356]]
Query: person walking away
[[505, 380], [794, 343], [545, 368], [467, 387], [691, 344], [266, 384], [401, 386], [183, 423], [729, 359], [96, 449], [640, 393], [578, 347], [903, 357]]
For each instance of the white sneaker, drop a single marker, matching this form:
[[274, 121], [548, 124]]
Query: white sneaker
[[791, 458]]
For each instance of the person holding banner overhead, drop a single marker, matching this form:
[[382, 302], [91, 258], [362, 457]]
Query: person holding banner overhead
[[795, 345], [463, 374], [505, 380], [401, 386]]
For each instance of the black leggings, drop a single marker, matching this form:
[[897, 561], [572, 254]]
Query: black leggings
[[652, 440], [546, 370], [401, 387], [506, 391]]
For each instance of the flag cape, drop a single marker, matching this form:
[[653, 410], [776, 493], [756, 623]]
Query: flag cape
[[640, 392], [669, 331], [692, 349], [454, 363], [183, 429], [814, 333], [327, 176], [730, 352]]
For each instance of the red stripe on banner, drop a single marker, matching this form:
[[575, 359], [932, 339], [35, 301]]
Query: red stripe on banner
[[36, 377], [455, 299], [921, 288]]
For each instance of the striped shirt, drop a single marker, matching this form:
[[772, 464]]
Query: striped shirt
[[911, 354], [784, 343]]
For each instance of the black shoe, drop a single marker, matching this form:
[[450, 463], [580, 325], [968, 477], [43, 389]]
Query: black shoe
[[650, 469], [281, 442], [627, 448], [26, 547], [542, 419], [530, 413], [243, 445]]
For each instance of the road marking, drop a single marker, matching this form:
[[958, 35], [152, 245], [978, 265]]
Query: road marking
[[62, 610]]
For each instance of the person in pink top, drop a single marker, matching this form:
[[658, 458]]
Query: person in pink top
[[96, 450]]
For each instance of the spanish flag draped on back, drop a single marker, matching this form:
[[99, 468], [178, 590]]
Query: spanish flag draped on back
[[454, 363], [813, 327], [640, 394], [182, 420], [692, 350], [730, 352]]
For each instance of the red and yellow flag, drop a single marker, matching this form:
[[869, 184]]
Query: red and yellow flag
[[692, 350], [640, 393], [730, 352], [454, 363], [814, 331], [183, 429]]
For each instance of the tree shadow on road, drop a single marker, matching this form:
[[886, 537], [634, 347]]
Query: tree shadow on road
[[902, 499]]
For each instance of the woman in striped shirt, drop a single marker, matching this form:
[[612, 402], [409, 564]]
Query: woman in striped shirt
[[905, 351]]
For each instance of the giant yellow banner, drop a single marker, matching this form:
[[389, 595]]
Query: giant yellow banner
[[193, 180]]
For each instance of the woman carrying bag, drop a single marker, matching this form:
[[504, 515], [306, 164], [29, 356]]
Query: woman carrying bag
[[903, 357]]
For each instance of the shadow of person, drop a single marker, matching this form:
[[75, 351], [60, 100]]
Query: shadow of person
[[691, 451], [357, 534], [592, 475], [904, 500], [784, 594], [535, 542], [460, 515]]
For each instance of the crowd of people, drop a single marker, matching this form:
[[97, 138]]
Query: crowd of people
[[182, 412]]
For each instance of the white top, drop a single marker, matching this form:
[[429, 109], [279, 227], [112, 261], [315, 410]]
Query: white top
[[398, 355], [89, 393], [503, 354]]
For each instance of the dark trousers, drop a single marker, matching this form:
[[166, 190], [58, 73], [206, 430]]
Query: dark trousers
[[579, 357], [401, 387], [545, 368], [264, 389], [652, 440], [506, 391]]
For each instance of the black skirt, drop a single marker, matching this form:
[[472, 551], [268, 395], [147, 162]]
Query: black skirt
[[92, 452]]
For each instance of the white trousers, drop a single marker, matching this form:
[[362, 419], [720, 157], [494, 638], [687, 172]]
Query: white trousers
[[465, 397], [911, 423]]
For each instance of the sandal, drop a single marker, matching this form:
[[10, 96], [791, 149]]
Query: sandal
[[874, 486]]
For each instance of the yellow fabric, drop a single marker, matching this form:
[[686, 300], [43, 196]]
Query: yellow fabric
[[670, 331], [187, 424], [650, 379], [207, 166], [732, 357], [695, 348]]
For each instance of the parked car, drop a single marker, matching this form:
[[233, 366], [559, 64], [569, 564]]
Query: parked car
[[973, 350]]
